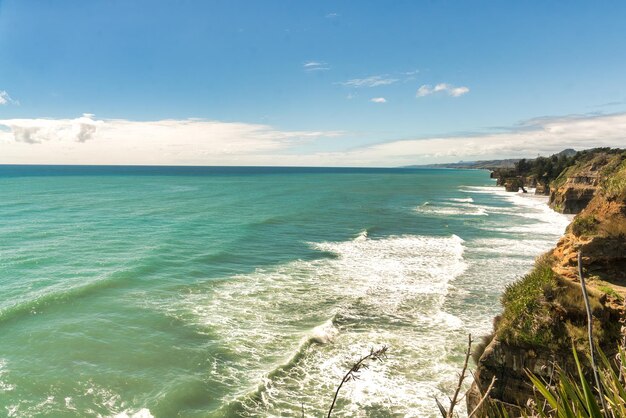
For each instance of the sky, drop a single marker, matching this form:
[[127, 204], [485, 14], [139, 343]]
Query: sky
[[324, 83]]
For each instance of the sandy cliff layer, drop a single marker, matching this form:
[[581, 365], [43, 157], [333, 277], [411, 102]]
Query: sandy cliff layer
[[573, 192]]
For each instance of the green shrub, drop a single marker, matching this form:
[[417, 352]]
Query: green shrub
[[614, 184], [544, 310], [584, 225], [610, 291]]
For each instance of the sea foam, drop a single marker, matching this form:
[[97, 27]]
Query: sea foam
[[375, 291]]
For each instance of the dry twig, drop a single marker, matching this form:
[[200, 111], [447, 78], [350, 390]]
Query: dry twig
[[483, 398], [352, 374], [454, 401], [594, 366]]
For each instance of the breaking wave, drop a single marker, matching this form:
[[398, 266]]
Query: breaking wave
[[375, 291]]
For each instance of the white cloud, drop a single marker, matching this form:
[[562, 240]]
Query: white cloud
[[5, 98], [332, 15], [541, 136], [316, 66], [458, 91], [426, 90], [544, 136], [36, 131], [373, 81], [378, 100], [86, 140]]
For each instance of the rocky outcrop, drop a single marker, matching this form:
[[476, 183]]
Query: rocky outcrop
[[530, 181], [542, 189], [513, 184], [539, 334], [511, 181]]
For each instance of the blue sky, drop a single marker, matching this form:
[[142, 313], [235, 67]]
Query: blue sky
[[325, 81]]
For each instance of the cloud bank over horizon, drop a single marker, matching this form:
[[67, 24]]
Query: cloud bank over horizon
[[88, 140]]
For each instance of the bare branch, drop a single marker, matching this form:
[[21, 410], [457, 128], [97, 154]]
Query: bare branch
[[454, 401], [594, 365], [352, 374], [485, 396]]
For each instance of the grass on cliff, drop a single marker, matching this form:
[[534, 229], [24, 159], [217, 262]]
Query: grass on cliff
[[543, 310], [614, 178], [525, 313], [610, 292]]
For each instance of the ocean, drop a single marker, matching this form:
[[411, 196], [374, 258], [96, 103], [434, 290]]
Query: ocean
[[249, 292]]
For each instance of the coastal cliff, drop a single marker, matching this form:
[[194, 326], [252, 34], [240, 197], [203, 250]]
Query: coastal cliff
[[544, 312]]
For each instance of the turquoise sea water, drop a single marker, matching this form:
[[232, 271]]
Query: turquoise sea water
[[248, 291]]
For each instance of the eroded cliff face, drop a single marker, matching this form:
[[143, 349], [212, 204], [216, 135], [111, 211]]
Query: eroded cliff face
[[572, 191], [576, 192], [599, 229], [541, 335], [572, 199], [597, 232]]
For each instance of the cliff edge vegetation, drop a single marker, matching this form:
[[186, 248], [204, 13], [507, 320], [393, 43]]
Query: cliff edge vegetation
[[544, 313]]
